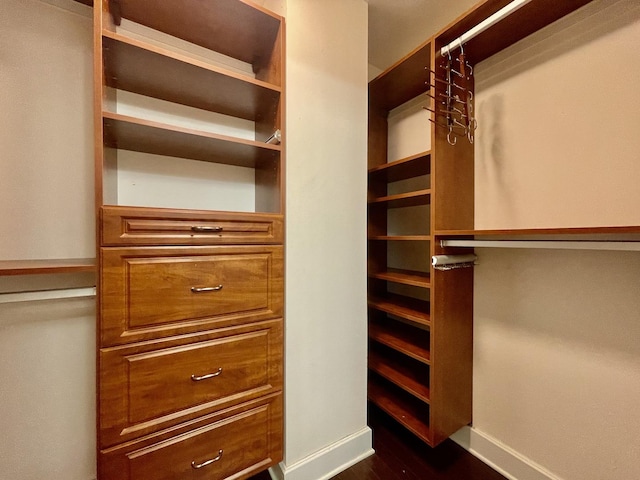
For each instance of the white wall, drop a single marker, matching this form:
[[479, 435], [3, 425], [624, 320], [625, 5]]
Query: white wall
[[47, 348], [46, 125], [557, 361], [326, 346], [47, 398]]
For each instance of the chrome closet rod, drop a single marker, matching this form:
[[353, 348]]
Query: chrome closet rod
[[53, 294], [484, 25]]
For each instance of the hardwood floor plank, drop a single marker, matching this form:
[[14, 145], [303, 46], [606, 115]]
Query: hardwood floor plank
[[402, 456]]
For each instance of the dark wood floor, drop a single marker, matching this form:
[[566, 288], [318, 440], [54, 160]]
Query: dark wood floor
[[400, 456]]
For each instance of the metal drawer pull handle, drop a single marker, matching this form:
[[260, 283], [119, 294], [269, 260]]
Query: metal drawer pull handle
[[199, 378], [206, 289], [196, 466], [200, 228]]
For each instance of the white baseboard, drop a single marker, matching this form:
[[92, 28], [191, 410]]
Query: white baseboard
[[329, 461], [500, 457]]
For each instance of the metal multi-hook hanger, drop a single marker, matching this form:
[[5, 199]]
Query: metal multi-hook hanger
[[456, 108]]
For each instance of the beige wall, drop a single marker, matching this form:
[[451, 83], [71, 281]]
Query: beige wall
[[558, 114], [326, 344], [557, 362]]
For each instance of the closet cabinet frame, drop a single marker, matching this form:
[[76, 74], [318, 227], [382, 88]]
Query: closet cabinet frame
[[184, 79], [250, 34], [452, 202]]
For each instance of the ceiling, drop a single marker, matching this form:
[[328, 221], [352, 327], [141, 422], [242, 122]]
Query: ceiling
[[396, 27]]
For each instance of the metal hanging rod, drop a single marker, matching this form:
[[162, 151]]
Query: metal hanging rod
[[37, 295], [548, 244], [484, 25]]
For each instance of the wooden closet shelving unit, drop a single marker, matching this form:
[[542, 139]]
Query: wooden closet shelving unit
[[436, 335], [53, 266], [190, 302]]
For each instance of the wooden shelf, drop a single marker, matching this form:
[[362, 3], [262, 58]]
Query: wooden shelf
[[405, 277], [409, 199], [403, 376], [135, 66], [403, 307], [403, 81], [130, 133], [222, 27], [401, 238], [408, 414], [620, 233], [407, 340], [409, 167], [37, 267]]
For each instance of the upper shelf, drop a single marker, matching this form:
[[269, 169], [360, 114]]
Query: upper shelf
[[401, 82], [145, 69], [37, 267], [243, 30], [409, 167], [130, 133], [523, 22]]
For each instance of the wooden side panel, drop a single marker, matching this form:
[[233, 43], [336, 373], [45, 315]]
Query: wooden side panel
[[451, 352]]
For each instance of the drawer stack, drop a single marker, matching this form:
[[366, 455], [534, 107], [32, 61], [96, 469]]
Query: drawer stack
[[190, 344]]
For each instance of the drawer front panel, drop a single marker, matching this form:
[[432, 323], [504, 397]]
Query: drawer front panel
[[152, 226], [151, 292], [147, 387], [233, 446]]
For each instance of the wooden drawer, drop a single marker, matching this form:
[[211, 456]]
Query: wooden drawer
[[149, 386], [150, 292], [241, 442], [156, 226]]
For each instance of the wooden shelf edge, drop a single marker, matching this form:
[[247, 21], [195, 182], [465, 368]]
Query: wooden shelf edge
[[399, 343], [187, 212], [52, 266], [408, 199], [613, 233], [405, 277], [402, 238], [118, 117], [403, 307], [395, 375], [179, 57], [399, 413], [396, 163]]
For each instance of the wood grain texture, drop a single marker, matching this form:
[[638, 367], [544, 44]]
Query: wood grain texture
[[403, 338], [410, 413], [250, 436], [138, 135], [146, 292], [239, 29], [146, 387], [164, 226], [402, 169], [146, 69], [401, 200], [410, 377], [49, 266], [404, 277], [401, 82], [404, 307]]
